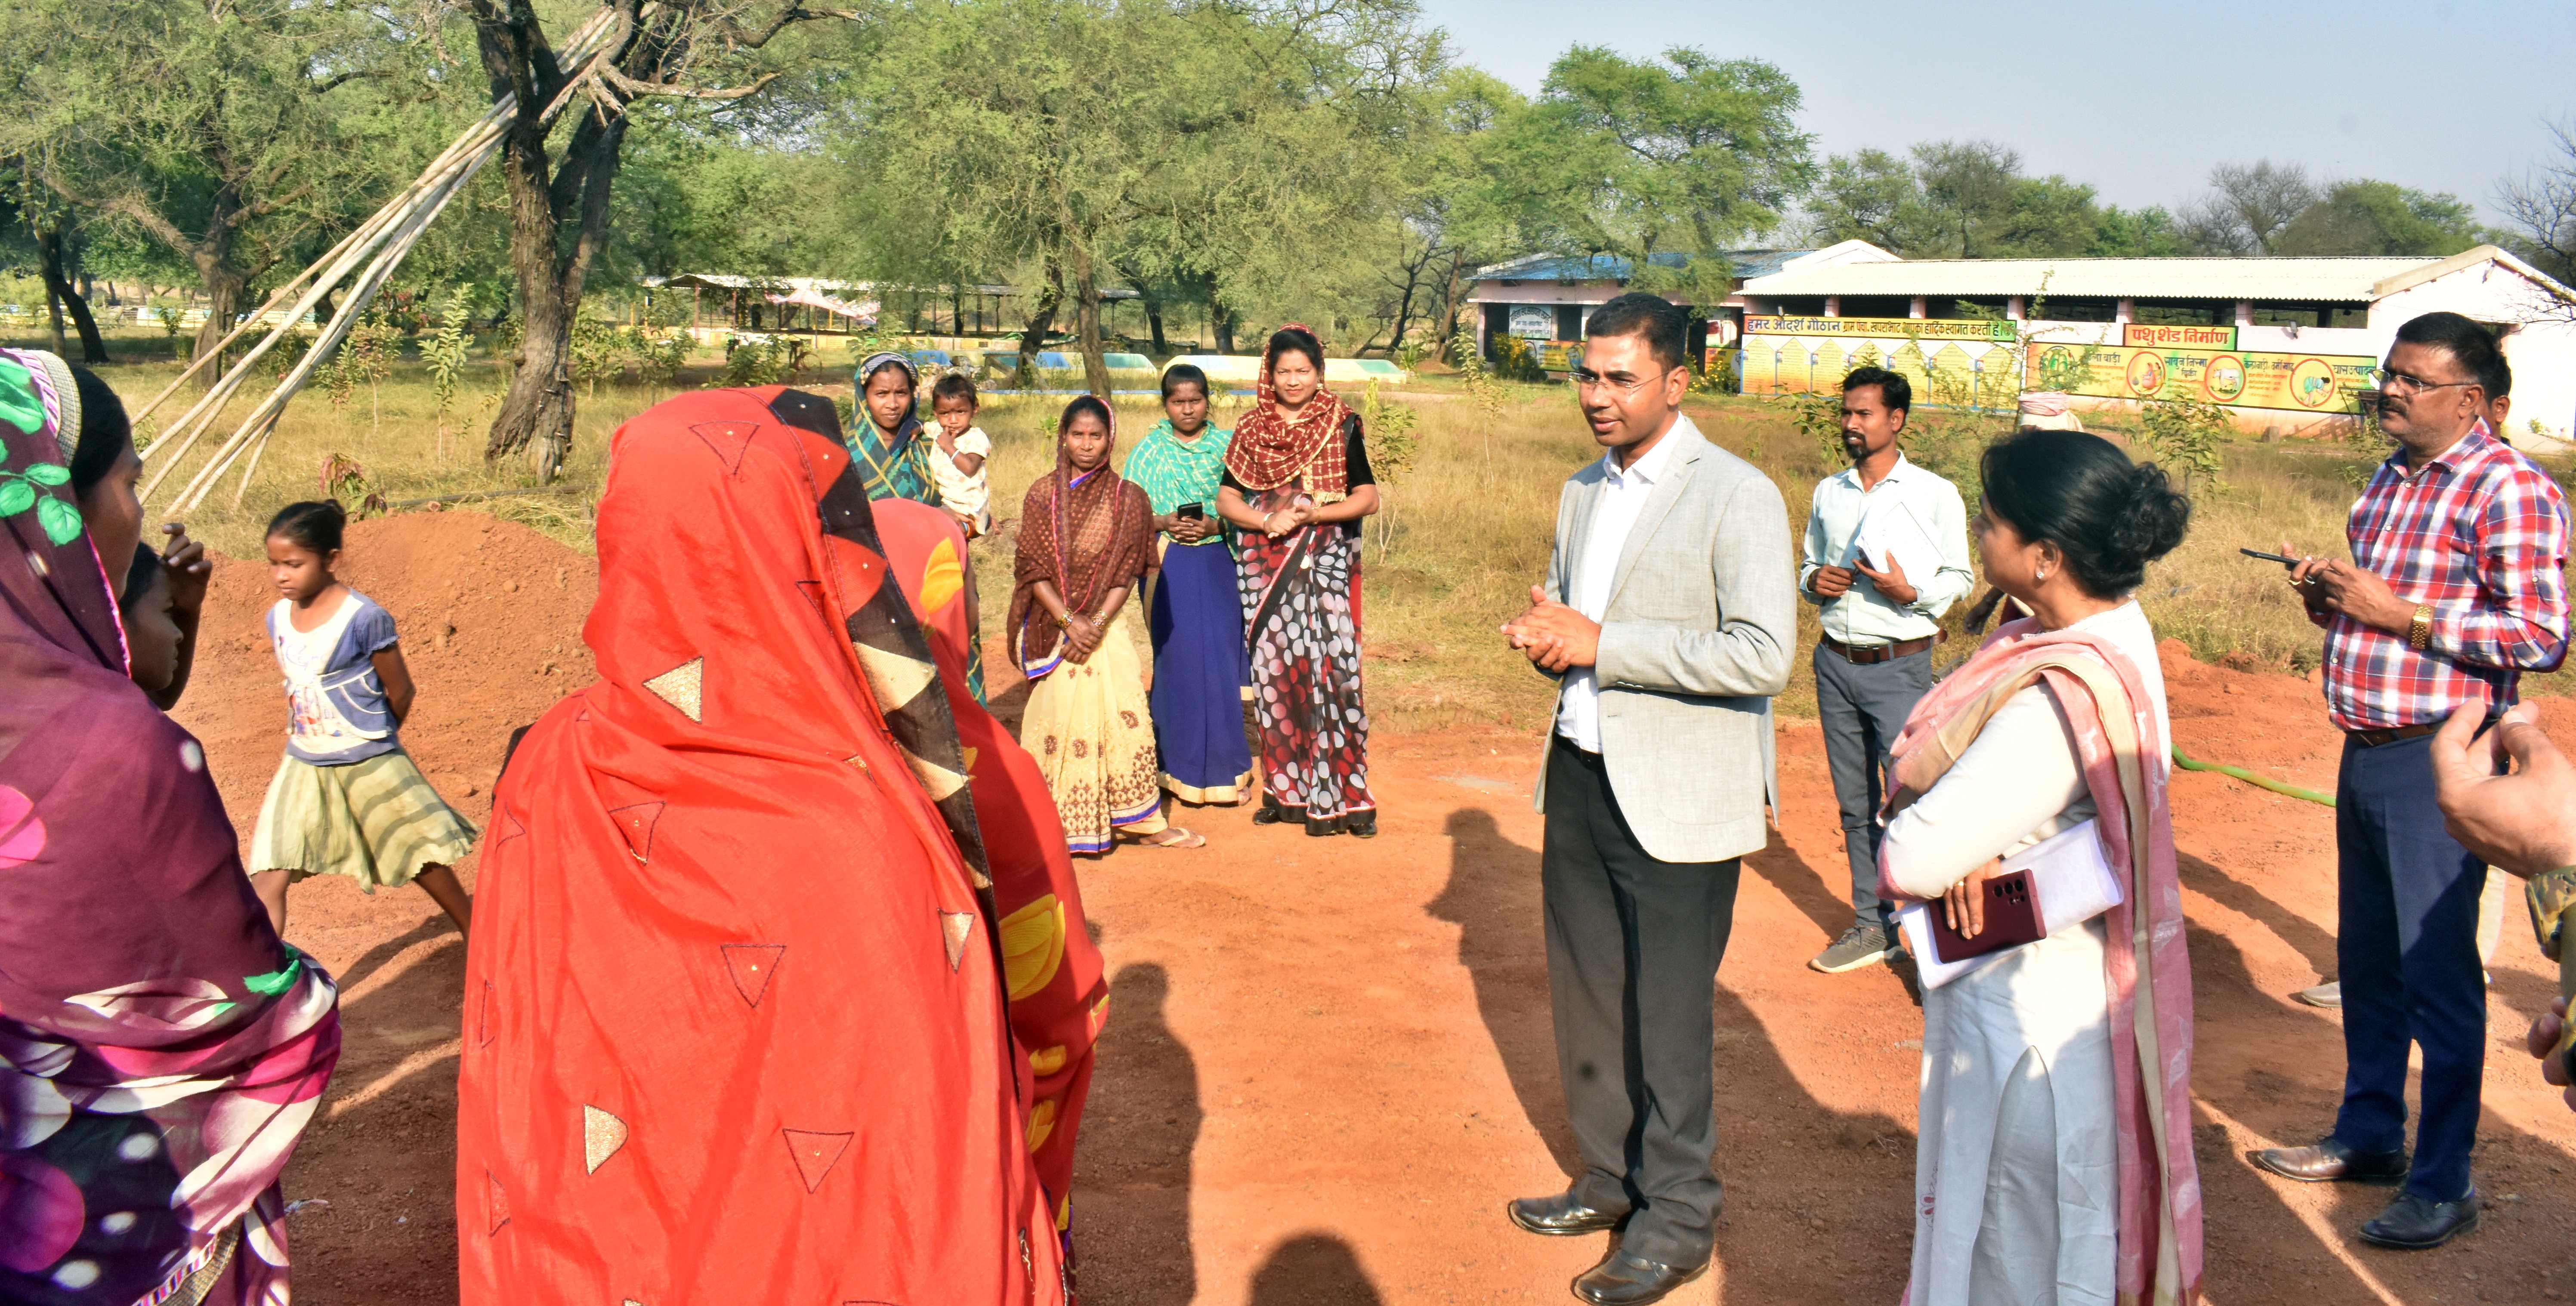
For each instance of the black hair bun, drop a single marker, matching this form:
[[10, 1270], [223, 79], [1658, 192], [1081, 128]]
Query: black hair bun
[[2153, 516]]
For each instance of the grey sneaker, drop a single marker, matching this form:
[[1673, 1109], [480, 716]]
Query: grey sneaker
[[1859, 946], [2328, 995]]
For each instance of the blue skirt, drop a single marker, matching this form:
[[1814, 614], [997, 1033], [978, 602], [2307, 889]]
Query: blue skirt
[[1200, 671]]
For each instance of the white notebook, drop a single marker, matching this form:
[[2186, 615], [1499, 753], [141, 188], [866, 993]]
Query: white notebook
[[2075, 883], [1891, 531]]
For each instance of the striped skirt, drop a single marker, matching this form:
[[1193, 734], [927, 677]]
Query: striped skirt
[[376, 821]]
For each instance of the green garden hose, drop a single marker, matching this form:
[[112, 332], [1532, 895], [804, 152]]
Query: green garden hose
[[2249, 777]]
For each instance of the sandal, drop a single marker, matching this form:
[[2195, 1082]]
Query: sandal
[[1173, 837]]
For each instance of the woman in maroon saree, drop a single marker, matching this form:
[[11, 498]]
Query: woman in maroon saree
[[1296, 485], [160, 1048]]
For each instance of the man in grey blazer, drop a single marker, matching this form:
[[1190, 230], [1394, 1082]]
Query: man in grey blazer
[[1669, 612]]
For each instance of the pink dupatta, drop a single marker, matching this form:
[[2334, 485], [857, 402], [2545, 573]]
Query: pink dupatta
[[2103, 695]]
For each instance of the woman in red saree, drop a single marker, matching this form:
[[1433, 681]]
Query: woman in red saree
[[1059, 997], [160, 1050], [735, 1025]]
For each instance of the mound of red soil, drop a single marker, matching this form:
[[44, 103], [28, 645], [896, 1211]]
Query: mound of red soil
[[490, 614]]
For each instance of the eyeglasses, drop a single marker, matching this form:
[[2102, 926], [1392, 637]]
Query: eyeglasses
[[1588, 379], [2401, 383]]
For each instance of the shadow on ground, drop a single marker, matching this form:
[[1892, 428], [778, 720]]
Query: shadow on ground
[[1313, 1269], [1131, 1226]]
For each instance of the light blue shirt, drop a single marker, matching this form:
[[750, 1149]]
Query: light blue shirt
[[1862, 617]]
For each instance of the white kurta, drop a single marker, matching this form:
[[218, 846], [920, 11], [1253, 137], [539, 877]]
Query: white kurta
[[2016, 1183]]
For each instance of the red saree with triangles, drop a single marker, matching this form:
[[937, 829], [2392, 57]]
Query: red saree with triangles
[[735, 1025]]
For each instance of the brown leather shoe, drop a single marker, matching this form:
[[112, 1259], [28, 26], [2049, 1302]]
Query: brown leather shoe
[[2332, 1162]]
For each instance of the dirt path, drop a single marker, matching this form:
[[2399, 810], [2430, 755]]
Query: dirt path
[[1329, 1062]]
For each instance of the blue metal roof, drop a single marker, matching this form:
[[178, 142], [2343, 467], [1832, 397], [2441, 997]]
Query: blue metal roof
[[1612, 267]]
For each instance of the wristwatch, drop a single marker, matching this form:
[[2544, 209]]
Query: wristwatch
[[2419, 632]]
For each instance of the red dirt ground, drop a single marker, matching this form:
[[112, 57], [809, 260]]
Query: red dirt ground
[[1330, 1062]]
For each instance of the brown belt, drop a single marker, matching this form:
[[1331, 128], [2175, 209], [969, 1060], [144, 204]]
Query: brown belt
[[1878, 652], [2374, 738]]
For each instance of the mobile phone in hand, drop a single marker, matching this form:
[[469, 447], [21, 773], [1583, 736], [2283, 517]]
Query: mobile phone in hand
[[1191, 511], [2282, 559]]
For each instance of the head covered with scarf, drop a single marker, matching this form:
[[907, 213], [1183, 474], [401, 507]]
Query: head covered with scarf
[[1086, 533], [1272, 448], [160, 1049], [892, 465]]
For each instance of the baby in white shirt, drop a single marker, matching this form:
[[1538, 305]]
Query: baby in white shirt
[[963, 447]]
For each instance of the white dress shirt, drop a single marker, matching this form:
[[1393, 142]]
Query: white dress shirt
[[1596, 564], [1861, 617]]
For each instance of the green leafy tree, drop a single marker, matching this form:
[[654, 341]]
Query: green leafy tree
[[1179, 145], [1954, 199], [1687, 155], [227, 134], [1449, 218], [2150, 232], [2381, 218]]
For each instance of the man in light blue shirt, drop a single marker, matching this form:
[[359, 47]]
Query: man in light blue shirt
[[1886, 553]]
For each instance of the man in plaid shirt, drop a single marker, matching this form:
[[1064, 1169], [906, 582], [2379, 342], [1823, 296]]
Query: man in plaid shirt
[[2456, 588]]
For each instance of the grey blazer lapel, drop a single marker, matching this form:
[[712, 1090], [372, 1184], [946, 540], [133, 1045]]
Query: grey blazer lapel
[[1587, 501], [1659, 505]]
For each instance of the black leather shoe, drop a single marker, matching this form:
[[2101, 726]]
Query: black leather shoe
[[2413, 1224], [1623, 1279], [2332, 1162], [1269, 815], [1362, 825], [1561, 1216]]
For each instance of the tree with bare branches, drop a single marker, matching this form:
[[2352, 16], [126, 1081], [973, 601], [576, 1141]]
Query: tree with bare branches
[[559, 175], [2540, 205], [2248, 206]]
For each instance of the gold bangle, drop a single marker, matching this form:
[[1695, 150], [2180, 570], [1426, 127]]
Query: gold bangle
[[2419, 632]]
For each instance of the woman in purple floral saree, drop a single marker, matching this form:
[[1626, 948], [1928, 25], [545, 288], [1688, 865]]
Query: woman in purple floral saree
[[160, 1048]]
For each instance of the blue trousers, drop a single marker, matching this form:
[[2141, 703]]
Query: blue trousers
[[2407, 952]]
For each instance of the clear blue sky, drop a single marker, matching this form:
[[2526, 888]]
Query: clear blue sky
[[2137, 99]]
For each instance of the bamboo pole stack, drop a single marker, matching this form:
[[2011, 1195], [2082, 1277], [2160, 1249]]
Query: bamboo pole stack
[[362, 260]]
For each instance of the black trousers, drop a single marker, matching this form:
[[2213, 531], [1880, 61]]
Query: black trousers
[[1632, 950]]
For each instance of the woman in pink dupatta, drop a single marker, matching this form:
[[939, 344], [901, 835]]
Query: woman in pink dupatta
[[2054, 1161], [161, 1050]]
